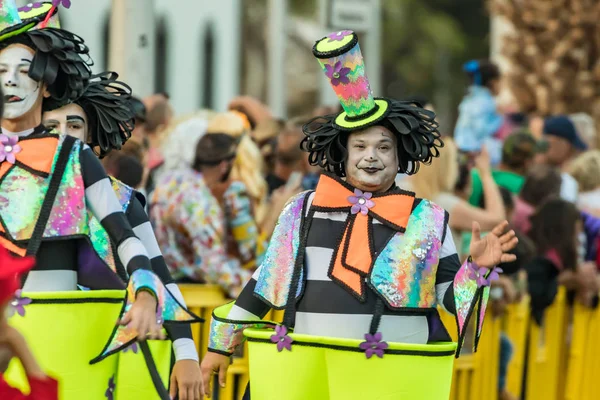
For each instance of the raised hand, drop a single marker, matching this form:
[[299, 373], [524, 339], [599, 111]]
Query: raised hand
[[491, 250]]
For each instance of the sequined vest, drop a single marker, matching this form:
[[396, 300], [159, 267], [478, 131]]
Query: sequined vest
[[22, 194], [403, 274], [99, 236]]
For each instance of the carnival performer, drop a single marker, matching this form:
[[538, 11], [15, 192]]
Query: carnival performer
[[48, 183], [103, 118], [359, 265]]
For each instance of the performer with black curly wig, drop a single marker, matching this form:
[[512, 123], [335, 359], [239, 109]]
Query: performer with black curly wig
[[360, 266], [51, 185], [103, 118]]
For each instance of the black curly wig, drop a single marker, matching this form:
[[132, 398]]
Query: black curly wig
[[110, 115], [60, 61], [415, 129]]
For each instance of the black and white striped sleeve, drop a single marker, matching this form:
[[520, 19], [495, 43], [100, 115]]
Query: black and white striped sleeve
[[448, 266], [181, 334], [247, 306], [104, 204]]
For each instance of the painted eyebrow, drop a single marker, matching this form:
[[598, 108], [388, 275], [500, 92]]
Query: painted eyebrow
[[26, 60], [76, 117]]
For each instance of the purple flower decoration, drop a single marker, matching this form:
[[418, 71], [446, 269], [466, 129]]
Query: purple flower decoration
[[337, 73], [478, 274], [373, 344], [133, 347], [28, 7], [361, 202], [18, 304], [281, 338], [64, 3], [9, 148], [338, 36], [111, 389]]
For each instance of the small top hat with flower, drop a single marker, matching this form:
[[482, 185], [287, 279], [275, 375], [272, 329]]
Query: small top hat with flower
[[414, 127]]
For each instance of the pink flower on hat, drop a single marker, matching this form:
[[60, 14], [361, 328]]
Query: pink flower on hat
[[9, 148], [338, 36], [337, 74]]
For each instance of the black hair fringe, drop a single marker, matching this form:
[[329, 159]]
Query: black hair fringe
[[415, 128], [111, 118]]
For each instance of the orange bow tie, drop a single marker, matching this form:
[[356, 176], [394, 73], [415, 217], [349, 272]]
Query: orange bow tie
[[353, 257], [34, 153]]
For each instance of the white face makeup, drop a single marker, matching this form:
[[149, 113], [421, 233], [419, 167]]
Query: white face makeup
[[20, 91], [372, 162], [68, 120]]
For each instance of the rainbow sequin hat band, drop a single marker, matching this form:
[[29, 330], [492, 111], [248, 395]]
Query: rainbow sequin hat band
[[342, 62], [38, 15]]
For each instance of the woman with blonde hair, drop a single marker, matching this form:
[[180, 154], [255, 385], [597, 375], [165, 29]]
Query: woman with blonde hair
[[437, 182], [586, 171]]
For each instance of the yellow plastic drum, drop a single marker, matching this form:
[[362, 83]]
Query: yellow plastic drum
[[336, 369], [65, 330]]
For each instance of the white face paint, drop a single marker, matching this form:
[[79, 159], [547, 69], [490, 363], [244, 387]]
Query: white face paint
[[20, 91]]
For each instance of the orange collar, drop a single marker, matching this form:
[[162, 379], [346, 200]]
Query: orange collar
[[34, 153], [353, 257]]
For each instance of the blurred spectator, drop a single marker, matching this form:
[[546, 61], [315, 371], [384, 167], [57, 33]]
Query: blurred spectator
[[248, 166], [541, 183], [158, 116], [265, 135], [518, 152], [479, 120], [586, 129], [289, 157], [255, 111], [556, 230], [437, 182], [586, 171], [189, 222], [126, 168], [563, 146]]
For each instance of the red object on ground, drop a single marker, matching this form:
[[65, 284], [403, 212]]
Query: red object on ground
[[41, 389]]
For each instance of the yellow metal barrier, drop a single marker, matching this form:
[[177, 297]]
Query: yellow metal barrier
[[515, 326], [584, 354], [476, 374], [547, 345]]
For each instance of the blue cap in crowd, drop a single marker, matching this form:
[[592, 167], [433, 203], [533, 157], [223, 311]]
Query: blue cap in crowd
[[562, 127]]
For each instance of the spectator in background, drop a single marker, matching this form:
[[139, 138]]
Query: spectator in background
[[265, 136], [586, 129], [541, 183], [479, 120], [248, 165], [126, 168], [244, 194], [437, 182], [289, 158], [564, 144], [556, 230], [158, 116], [585, 169], [190, 225], [518, 152]]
